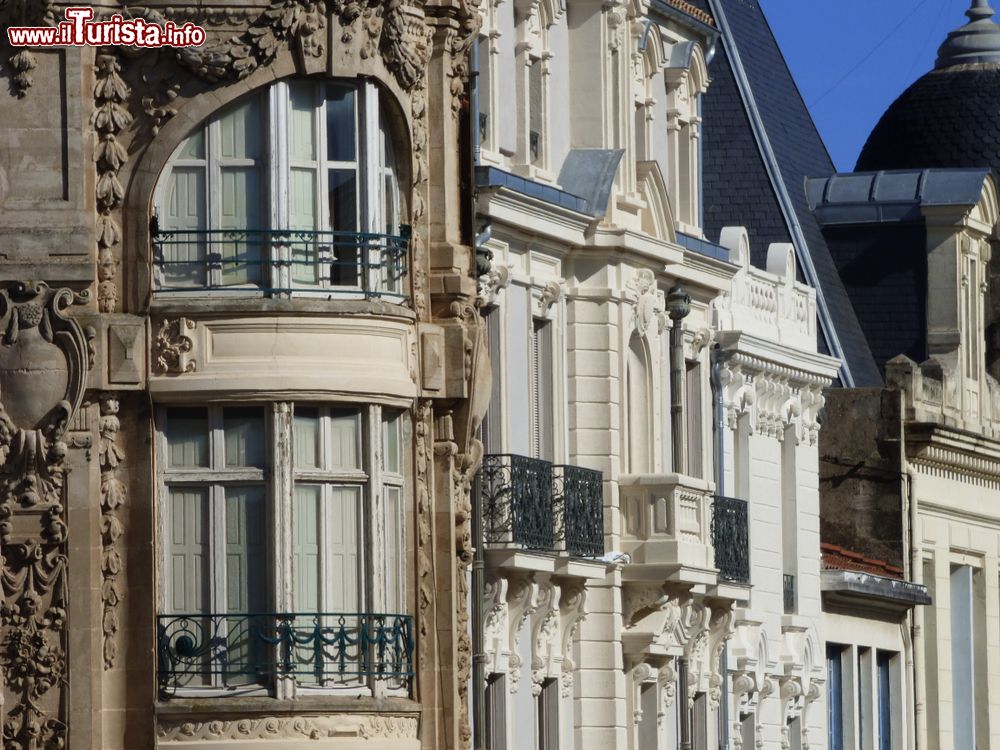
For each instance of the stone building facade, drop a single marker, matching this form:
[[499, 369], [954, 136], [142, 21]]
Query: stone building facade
[[239, 420], [655, 399]]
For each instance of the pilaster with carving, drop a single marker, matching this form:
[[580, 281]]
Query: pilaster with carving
[[44, 358], [113, 495]]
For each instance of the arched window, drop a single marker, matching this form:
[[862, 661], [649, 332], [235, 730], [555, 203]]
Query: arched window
[[639, 407], [294, 189]]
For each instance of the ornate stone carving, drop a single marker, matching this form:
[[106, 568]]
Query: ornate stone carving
[[551, 293], [522, 602], [25, 13], [425, 569], [720, 630], [113, 495], [648, 302], [33, 645], [110, 118], [496, 625], [572, 611], [43, 364], [490, 285], [172, 347], [288, 727], [546, 651]]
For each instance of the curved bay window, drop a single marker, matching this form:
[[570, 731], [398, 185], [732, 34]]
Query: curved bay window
[[292, 191], [282, 541]]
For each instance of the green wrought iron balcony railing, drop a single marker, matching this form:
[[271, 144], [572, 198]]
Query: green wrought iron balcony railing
[[531, 504], [282, 262], [238, 651], [731, 539]]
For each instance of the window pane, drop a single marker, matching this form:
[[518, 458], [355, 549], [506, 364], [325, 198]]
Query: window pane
[[302, 216], [340, 123], [342, 549], [181, 254], [187, 438], [246, 553], [189, 553], [306, 561], [193, 146], [240, 131], [345, 436], [240, 253], [343, 218], [394, 546], [301, 121], [245, 437], [390, 442], [306, 438]]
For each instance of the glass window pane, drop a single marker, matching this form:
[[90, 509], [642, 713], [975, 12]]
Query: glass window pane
[[343, 218], [394, 546], [306, 438], [342, 549], [390, 442], [306, 550], [194, 146], [301, 121], [244, 429], [340, 123], [246, 552], [187, 438], [240, 131], [345, 438], [189, 551], [240, 253], [180, 250]]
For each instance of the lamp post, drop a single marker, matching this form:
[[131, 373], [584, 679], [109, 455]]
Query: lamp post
[[678, 307]]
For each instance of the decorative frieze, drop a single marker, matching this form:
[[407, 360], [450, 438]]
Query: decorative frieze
[[288, 728], [113, 495]]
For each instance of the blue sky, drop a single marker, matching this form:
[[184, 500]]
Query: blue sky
[[825, 42]]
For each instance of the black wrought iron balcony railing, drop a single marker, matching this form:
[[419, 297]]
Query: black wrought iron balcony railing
[[731, 539], [516, 494], [238, 650], [578, 496], [281, 262], [531, 504]]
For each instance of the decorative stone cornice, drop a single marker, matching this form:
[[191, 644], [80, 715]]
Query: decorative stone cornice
[[380, 726]]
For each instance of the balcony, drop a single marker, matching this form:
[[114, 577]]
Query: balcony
[[281, 263], [532, 505], [676, 529], [731, 539], [237, 651]]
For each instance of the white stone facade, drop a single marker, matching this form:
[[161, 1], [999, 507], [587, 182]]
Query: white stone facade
[[577, 304]]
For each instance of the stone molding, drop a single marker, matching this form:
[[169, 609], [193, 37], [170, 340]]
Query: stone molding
[[113, 496], [288, 727]]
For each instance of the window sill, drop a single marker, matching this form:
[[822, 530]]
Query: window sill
[[191, 305], [311, 704]]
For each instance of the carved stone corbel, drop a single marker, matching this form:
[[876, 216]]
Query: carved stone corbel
[[546, 645], [522, 600], [572, 611], [490, 285], [497, 625], [551, 293], [648, 302]]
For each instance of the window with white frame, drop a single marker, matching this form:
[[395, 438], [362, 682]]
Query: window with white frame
[[282, 542], [294, 189]]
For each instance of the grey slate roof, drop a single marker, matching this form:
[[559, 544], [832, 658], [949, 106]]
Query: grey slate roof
[[789, 148]]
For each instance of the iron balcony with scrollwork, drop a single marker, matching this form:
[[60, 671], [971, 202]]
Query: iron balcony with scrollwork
[[531, 504], [731, 539], [240, 651], [282, 263]]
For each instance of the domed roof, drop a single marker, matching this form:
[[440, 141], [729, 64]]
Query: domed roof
[[951, 116]]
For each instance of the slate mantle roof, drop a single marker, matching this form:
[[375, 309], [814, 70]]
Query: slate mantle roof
[[785, 151]]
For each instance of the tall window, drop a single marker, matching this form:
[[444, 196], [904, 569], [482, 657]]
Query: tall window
[[693, 419], [883, 665], [291, 189], [547, 715], [542, 406], [835, 697], [496, 708], [639, 411], [235, 477]]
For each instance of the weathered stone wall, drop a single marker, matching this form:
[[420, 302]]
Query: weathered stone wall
[[860, 470]]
